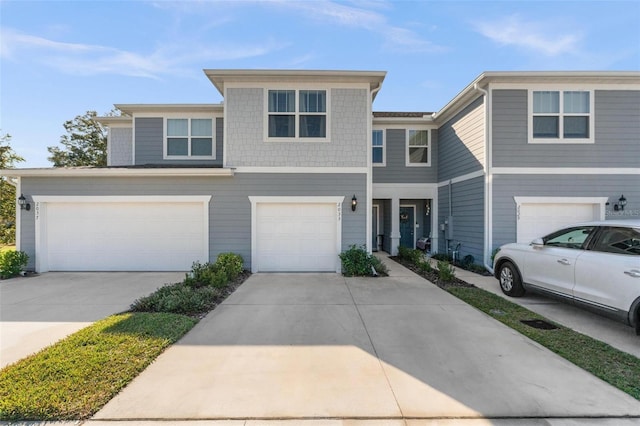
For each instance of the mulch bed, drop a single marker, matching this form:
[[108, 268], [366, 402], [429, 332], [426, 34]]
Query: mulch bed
[[432, 275]]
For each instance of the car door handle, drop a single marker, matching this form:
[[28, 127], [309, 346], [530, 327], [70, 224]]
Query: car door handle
[[633, 273], [564, 262]]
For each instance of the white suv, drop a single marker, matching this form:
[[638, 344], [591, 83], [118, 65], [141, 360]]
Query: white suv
[[595, 265]]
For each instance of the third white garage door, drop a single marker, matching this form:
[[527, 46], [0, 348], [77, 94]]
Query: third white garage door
[[539, 218], [296, 237]]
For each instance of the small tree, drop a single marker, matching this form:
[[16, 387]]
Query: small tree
[[85, 143], [8, 159]]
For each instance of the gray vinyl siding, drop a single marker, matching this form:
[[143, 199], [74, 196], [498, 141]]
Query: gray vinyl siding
[[120, 146], [396, 170], [616, 130], [461, 147], [149, 143], [505, 187], [467, 205], [229, 209]]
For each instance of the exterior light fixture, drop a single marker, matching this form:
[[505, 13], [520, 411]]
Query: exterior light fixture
[[354, 203], [619, 206], [23, 203]]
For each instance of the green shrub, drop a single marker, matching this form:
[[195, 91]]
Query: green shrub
[[357, 262], [178, 299], [425, 266], [442, 256], [446, 271], [414, 256], [477, 268], [205, 274], [231, 264], [467, 261], [494, 253], [12, 263]]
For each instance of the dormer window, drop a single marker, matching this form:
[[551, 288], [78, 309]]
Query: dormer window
[[297, 115], [189, 138]]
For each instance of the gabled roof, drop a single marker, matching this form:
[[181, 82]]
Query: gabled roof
[[221, 77]]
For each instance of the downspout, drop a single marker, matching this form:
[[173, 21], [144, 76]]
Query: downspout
[[370, 174], [487, 180]]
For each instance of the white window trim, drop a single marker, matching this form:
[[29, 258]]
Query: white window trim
[[406, 147], [561, 139], [166, 117], [384, 147], [296, 113]]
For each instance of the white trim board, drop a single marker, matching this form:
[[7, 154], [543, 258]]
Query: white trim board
[[405, 190], [565, 171], [302, 170]]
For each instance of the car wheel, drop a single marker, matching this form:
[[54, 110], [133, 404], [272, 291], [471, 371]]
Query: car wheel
[[510, 281]]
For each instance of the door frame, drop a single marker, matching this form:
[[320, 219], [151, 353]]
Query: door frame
[[413, 206], [375, 209]]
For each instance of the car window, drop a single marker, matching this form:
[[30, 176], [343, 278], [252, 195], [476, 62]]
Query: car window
[[569, 238], [618, 240]]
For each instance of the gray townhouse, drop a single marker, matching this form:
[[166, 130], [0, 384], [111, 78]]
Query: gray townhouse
[[293, 167]]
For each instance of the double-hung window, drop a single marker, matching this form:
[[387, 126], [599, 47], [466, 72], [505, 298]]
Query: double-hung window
[[564, 116], [418, 148], [297, 115], [189, 138], [377, 147]]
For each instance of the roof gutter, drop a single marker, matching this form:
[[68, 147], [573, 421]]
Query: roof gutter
[[117, 172]]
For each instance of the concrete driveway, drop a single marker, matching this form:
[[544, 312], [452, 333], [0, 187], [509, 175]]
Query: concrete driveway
[[40, 310], [319, 346]]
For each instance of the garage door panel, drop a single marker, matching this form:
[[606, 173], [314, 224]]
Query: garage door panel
[[539, 219], [296, 237], [112, 236]]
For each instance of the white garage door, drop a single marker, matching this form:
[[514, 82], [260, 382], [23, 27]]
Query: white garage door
[[539, 219], [123, 236], [292, 237]]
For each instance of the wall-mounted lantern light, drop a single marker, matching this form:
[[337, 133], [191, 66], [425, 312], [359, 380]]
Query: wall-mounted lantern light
[[23, 203], [620, 204], [354, 203]]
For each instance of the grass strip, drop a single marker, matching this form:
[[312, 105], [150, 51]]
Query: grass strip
[[615, 367], [75, 377]]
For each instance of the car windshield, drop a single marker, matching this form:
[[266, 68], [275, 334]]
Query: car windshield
[[569, 238]]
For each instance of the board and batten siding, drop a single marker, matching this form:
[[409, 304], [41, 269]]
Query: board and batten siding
[[348, 146], [149, 143], [467, 205], [461, 147], [120, 150], [616, 133], [395, 169], [506, 187], [229, 209]]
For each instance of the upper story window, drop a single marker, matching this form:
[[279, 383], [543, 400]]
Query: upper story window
[[378, 147], [561, 116], [418, 148], [297, 115], [189, 138]]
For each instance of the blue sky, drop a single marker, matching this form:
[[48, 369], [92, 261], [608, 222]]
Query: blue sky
[[60, 59]]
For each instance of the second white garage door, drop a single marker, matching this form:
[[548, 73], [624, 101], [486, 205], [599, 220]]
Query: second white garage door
[[539, 218], [296, 237], [122, 235]]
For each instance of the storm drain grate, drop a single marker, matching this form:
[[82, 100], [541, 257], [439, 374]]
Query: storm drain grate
[[540, 324]]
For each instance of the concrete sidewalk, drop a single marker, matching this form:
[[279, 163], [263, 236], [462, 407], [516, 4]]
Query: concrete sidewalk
[[288, 348]]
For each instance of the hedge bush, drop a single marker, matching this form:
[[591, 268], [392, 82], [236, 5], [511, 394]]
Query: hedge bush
[[357, 262], [12, 263], [178, 299]]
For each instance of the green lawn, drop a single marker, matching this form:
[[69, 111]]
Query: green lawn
[[75, 377], [615, 367]]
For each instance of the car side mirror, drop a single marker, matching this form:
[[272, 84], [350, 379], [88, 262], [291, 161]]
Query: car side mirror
[[537, 243]]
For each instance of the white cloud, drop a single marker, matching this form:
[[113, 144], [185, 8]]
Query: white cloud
[[88, 59], [395, 38], [534, 36]]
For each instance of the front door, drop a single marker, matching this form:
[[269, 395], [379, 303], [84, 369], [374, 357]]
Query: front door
[[407, 226], [374, 228]]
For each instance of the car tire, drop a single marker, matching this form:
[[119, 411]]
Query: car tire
[[510, 280]]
